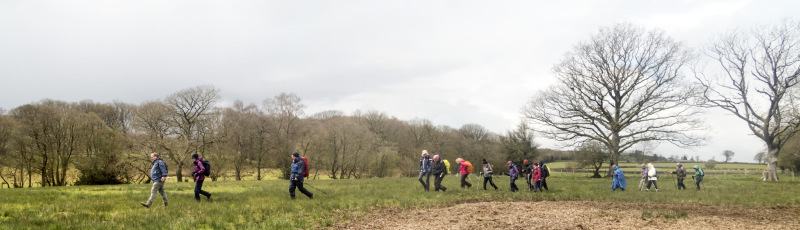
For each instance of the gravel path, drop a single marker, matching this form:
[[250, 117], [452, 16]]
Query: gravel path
[[581, 215]]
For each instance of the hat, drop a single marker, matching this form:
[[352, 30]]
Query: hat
[[195, 156], [525, 161], [484, 161], [679, 163], [435, 157], [296, 154], [509, 162], [536, 163]]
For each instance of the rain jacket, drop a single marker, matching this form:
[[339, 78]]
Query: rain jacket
[[447, 166], [680, 172], [438, 168], [199, 169], [298, 168], [619, 179], [425, 164], [698, 171], [513, 172], [487, 171], [545, 169], [651, 173], [537, 174], [158, 170], [462, 167], [644, 172]]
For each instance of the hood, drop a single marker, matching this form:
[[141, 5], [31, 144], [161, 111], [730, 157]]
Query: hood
[[695, 167]]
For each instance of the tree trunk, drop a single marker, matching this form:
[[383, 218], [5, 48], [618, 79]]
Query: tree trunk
[[179, 174], [772, 165]]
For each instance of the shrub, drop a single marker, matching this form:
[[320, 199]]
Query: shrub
[[711, 164]]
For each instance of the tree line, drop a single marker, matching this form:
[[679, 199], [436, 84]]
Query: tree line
[[45, 142]]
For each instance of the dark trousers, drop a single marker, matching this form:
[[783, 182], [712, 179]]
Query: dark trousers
[[514, 185], [653, 182], [299, 185], [198, 189], [464, 181], [537, 186], [426, 184], [697, 181], [437, 183], [489, 179], [528, 180], [544, 184], [680, 183]]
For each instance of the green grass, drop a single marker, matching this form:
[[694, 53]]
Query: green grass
[[266, 204]]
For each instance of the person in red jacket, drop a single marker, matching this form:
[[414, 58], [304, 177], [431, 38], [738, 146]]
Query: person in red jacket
[[462, 168], [537, 177], [199, 177]]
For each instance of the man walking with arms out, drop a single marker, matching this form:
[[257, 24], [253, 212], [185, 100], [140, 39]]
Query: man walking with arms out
[[158, 174]]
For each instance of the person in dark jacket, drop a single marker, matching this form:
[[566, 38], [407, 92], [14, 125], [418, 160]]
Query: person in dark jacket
[[526, 172], [487, 172], [513, 172], [681, 175], [425, 170], [199, 177], [439, 170], [545, 175], [158, 174], [296, 179]]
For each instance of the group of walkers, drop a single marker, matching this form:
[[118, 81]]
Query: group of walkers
[[650, 177], [535, 174], [158, 174]]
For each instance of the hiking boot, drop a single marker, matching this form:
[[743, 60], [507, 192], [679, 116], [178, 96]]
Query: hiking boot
[[647, 190], [165, 204], [311, 196], [656, 190], [209, 196], [146, 205], [292, 198]]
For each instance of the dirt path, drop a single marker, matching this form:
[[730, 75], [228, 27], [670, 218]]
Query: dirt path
[[581, 215]]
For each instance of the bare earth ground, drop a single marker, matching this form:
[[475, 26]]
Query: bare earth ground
[[579, 215]]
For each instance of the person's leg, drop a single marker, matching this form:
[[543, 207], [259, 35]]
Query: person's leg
[[699, 179], [303, 190], [197, 186], [655, 185], [491, 181], [421, 174], [292, 185], [163, 193], [427, 181], [153, 192], [463, 180], [484, 182], [528, 181], [649, 183], [544, 184]]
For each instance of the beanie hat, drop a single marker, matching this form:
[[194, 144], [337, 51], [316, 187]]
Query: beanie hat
[[296, 154], [195, 156], [525, 161], [536, 163], [509, 162], [435, 157]]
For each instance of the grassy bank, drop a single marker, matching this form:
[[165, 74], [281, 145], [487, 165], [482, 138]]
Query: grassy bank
[[266, 204]]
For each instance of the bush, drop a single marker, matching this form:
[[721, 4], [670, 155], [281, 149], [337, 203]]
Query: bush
[[711, 164]]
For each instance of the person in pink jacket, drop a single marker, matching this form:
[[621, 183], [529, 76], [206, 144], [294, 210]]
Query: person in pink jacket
[[537, 177], [462, 168], [199, 177]]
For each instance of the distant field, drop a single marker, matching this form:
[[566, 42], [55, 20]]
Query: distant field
[[266, 204]]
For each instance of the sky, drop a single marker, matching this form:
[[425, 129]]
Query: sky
[[451, 62]]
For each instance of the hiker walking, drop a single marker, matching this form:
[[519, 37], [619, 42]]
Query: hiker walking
[[698, 176], [438, 174], [652, 176], [526, 172], [158, 174], [199, 175], [513, 172], [643, 182], [619, 179], [425, 164], [296, 179], [462, 169], [545, 175], [487, 175], [536, 176], [680, 174]]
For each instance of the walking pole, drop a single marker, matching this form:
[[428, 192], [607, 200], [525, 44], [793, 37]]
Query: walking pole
[[323, 192]]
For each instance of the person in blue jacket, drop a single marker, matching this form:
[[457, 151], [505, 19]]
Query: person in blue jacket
[[296, 179], [619, 179], [425, 165]]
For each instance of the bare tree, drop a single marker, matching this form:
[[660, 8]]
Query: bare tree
[[728, 155], [622, 87], [757, 70], [190, 108], [284, 111]]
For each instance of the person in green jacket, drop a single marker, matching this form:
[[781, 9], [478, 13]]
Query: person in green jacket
[[698, 176]]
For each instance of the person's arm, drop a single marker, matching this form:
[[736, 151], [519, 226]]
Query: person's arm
[[202, 168], [163, 168]]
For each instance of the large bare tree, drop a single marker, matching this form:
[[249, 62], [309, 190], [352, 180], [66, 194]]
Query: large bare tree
[[191, 110], [754, 73], [623, 86]]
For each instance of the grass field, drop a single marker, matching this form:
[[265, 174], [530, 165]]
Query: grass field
[[266, 204]]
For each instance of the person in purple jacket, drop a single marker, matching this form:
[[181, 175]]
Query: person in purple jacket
[[513, 173], [198, 175]]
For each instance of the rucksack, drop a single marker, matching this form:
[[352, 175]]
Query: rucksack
[[447, 166], [305, 160], [701, 171], [469, 167], [207, 166]]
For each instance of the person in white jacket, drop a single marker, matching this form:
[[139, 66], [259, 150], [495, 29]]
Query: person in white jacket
[[652, 176]]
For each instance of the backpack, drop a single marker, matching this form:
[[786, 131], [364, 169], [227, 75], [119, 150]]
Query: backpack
[[701, 171], [305, 160], [469, 167], [207, 166], [447, 166]]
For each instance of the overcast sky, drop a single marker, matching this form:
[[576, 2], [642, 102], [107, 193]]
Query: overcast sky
[[452, 62]]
